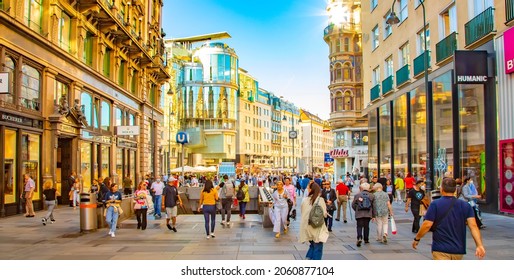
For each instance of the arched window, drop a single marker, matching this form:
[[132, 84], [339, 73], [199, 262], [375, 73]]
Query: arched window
[[331, 73], [105, 109], [339, 101], [9, 67], [30, 87], [348, 101], [338, 73], [347, 72]]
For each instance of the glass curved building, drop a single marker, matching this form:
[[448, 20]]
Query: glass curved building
[[207, 103]]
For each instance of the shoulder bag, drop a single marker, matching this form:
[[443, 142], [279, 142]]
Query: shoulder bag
[[434, 225]]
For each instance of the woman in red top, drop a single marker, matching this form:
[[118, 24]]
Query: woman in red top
[[409, 182]]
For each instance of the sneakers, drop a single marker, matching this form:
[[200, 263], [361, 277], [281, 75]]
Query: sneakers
[[345, 221], [174, 229], [384, 239], [44, 221], [359, 242], [244, 217], [207, 237], [212, 235], [286, 230], [337, 220], [223, 223], [52, 220], [112, 234], [169, 226], [277, 235]]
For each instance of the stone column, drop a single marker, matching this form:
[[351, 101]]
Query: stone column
[[49, 141]]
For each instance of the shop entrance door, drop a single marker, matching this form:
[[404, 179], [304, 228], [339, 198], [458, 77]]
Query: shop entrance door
[[64, 169]]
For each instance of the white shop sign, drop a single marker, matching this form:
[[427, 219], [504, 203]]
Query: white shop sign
[[127, 130]]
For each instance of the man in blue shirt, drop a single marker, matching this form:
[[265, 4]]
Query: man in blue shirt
[[449, 216]]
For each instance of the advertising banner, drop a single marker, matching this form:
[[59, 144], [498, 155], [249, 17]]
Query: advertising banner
[[507, 176], [508, 47]]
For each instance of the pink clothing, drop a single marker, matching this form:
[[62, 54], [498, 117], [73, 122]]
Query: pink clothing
[[291, 191]]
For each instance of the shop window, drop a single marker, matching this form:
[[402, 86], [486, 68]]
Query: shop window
[[105, 161], [9, 67], [30, 144], [106, 116], [385, 138], [9, 168], [418, 130], [30, 87], [32, 14], [472, 134], [400, 134]]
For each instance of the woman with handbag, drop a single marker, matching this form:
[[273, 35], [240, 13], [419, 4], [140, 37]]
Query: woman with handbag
[[281, 209], [330, 197], [141, 205], [470, 194]]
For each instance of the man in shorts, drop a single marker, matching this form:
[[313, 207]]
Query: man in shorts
[[171, 202]]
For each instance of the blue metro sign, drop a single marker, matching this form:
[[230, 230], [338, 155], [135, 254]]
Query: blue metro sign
[[182, 138]]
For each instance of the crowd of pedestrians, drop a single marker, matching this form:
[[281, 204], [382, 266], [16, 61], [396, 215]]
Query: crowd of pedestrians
[[447, 217]]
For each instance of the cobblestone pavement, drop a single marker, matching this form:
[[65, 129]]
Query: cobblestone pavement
[[27, 239]]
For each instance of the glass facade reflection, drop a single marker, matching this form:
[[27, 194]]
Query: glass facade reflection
[[472, 134], [443, 126], [373, 143], [385, 138], [418, 130], [9, 169], [400, 134]]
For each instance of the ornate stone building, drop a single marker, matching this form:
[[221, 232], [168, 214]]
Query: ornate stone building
[[84, 77], [344, 37]]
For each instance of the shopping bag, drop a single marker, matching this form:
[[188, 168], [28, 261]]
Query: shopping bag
[[393, 225], [272, 215]]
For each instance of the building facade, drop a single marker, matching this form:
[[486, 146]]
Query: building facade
[[343, 36], [80, 74], [450, 123], [253, 152], [316, 141]]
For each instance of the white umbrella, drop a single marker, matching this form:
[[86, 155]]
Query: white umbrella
[[186, 169], [200, 169]]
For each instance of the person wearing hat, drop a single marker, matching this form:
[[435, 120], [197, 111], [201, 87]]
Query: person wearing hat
[[414, 197]]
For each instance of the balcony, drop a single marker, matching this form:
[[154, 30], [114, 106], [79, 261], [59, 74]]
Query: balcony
[[419, 63], [387, 85], [509, 10], [375, 92], [350, 27], [402, 75], [480, 26], [446, 47]]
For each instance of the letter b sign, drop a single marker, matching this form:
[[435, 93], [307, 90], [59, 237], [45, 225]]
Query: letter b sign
[[182, 138]]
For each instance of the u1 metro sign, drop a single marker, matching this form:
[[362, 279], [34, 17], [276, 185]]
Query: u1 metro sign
[[182, 138]]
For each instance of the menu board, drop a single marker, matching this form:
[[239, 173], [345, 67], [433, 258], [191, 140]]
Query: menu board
[[507, 176]]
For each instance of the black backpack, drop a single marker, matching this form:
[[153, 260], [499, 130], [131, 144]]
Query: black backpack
[[240, 195], [365, 204]]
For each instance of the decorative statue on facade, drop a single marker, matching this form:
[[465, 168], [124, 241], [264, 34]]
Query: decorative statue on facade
[[63, 107], [77, 108]]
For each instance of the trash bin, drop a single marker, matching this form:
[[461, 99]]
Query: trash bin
[[435, 194], [88, 212]]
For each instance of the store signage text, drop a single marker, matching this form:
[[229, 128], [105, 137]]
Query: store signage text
[[13, 119], [470, 67], [508, 47], [5, 117], [337, 153], [127, 130]]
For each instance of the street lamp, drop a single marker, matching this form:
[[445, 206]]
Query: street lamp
[[170, 94], [292, 133], [393, 19]]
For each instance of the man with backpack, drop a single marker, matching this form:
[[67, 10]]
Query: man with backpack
[[363, 206], [227, 197]]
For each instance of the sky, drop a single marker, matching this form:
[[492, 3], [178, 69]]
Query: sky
[[279, 42]]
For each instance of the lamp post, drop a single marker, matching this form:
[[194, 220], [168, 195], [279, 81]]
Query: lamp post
[[292, 134], [393, 19], [170, 94]]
